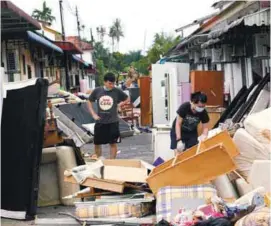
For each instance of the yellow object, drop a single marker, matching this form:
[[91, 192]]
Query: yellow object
[[267, 200]]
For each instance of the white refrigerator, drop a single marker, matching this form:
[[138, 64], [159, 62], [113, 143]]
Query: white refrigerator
[[170, 88]]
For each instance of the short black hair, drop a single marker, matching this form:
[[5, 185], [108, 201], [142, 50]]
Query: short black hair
[[109, 77], [198, 97]]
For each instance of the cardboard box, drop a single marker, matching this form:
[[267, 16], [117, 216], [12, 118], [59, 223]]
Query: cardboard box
[[135, 171]]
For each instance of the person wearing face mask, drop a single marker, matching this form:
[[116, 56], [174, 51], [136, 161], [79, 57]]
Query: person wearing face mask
[[184, 133], [106, 130]]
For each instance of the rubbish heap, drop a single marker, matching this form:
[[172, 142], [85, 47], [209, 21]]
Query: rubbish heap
[[224, 180]]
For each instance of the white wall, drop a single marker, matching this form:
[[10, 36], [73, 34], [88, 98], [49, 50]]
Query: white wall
[[87, 56]]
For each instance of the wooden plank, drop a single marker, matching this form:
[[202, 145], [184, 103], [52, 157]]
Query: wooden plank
[[223, 137], [107, 185], [213, 88], [197, 169]]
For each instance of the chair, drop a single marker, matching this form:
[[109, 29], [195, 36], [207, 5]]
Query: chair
[[127, 114]]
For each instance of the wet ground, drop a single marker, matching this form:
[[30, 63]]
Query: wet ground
[[135, 147]]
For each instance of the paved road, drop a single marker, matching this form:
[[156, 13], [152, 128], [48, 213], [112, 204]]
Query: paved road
[[135, 147]]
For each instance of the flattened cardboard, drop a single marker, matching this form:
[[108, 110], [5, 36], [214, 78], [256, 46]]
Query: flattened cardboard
[[106, 185], [135, 171]]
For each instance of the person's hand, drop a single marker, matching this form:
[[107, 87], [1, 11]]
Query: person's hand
[[180, 146], [96, 117]]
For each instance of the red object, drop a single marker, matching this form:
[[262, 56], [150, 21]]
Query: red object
[[68, 46], [80, 44]]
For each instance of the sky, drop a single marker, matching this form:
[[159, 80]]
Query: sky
[[141, 19]]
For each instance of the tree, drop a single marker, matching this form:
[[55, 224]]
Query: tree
[[101, 31], [44, 15], [162, 43], [118, 32]]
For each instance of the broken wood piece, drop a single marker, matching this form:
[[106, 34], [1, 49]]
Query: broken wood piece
[[211, 162], [107, 185]]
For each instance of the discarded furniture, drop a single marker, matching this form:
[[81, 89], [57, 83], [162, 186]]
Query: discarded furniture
[[145, 101], [213, 88], [22, 140], [128, 115], [197, 165], [52, 135], [54, 162]]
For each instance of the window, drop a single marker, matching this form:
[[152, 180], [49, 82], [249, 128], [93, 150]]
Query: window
[[24, 65], [12, 61]]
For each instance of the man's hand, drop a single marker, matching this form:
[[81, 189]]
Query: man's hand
[[96, 117]]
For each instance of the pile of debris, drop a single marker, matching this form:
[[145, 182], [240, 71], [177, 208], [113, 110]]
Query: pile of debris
[[214, 183], [191, 189]]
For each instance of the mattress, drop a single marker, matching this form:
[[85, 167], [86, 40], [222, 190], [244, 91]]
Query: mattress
[[22, 139], [79, 114], [250, 150], [262, 102], [171, 199], [260, 167], [258, 125]]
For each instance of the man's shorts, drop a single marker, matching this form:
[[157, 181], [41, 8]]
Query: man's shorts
[[106, 133]]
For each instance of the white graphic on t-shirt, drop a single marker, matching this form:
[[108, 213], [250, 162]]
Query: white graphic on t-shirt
[[106, 103]]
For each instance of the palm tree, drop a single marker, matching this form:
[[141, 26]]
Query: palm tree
[[101, 33], [113, 36], [118, 32], [44, 15]]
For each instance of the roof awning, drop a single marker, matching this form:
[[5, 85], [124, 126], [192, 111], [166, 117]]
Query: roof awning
[[260, 18], [209, 43], [13, 19], [68, 46], [78, 59], [40, 40]]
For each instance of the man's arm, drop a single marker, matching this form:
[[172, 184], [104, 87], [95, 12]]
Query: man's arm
[[123, 98], [92, 98], [178, 126], [205, 128]]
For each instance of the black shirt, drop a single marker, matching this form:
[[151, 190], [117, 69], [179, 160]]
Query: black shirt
[[190, 120]]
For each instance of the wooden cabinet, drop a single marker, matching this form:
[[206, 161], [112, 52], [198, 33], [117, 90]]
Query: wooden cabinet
[[209, 82], [145, 101]]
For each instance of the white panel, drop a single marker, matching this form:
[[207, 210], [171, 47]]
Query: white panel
[[248, 72], [161, 145], [173, 92], [228, 78], [183, 71], [237, 76], [158, 97], [218, 67]]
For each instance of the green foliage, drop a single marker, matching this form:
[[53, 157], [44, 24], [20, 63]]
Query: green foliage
[[118, 63], [45, 14]]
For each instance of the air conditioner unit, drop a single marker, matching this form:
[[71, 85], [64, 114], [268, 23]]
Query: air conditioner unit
[[238, 51], [216, 55], [197, 57], [261, 46], [226, 54], [208, 53]]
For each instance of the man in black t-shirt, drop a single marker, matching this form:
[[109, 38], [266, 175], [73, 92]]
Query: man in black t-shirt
[[190, 114], [106, 130]]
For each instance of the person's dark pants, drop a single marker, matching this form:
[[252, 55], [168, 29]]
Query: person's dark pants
[[188, 141], [106, 133]]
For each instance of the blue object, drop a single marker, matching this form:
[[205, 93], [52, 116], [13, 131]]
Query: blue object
[[36, 38], [78, 59], [158, 162]]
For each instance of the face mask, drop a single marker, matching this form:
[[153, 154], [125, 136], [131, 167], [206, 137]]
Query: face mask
[[198, 109], [106, 89]]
